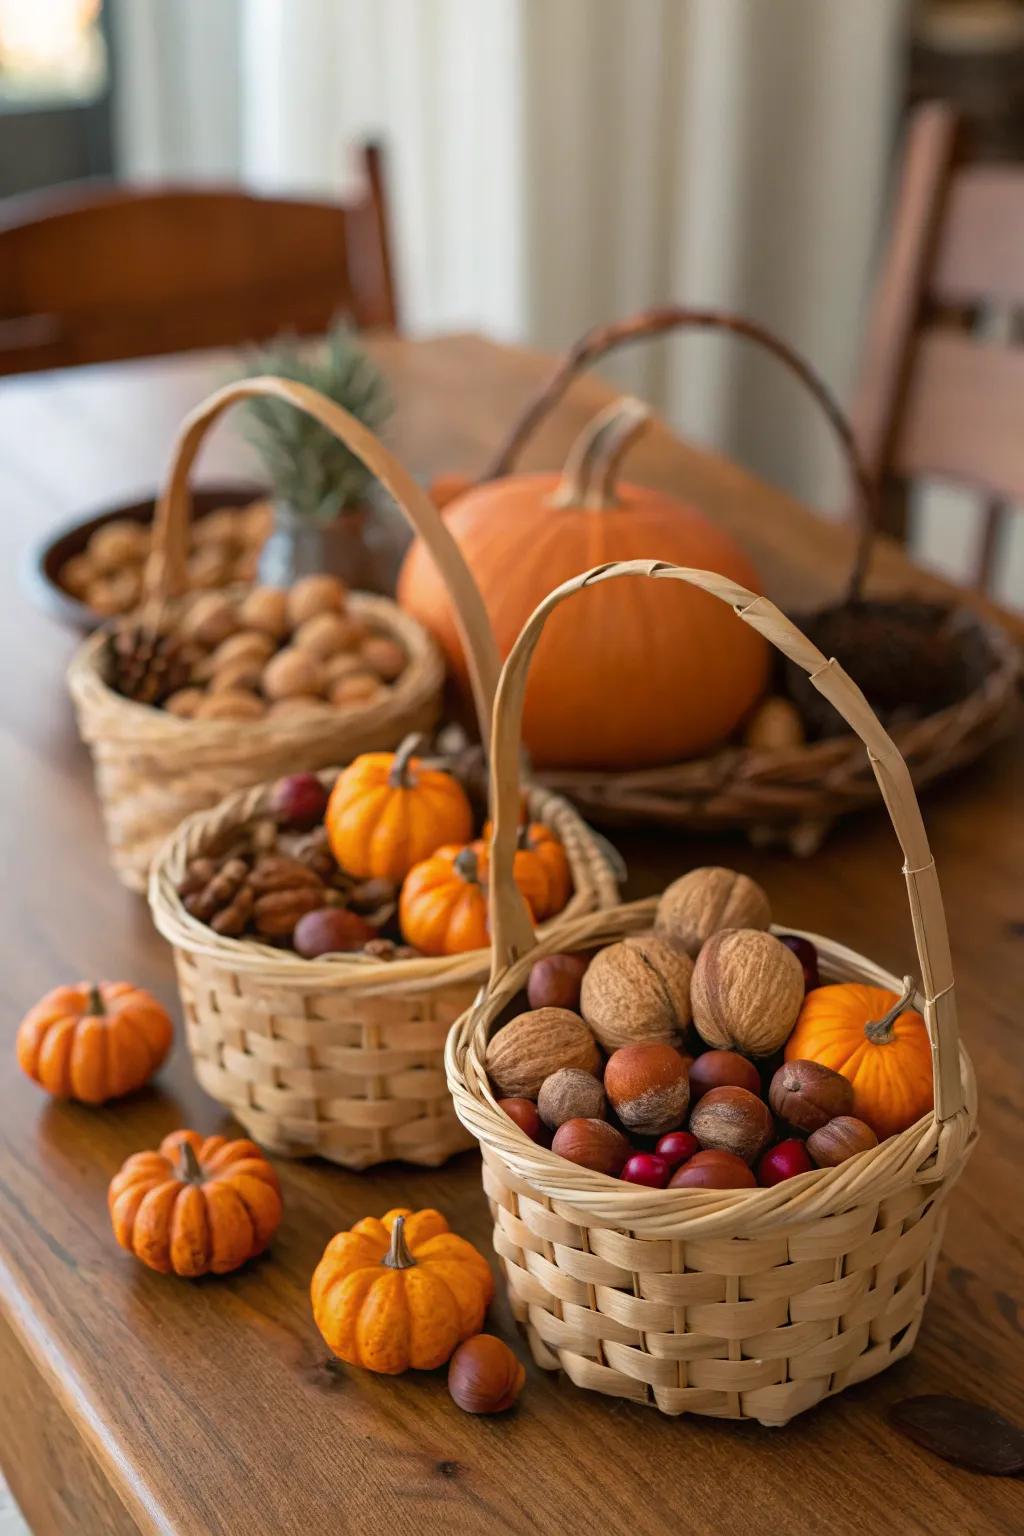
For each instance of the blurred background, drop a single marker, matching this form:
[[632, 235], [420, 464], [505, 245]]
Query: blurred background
[[556, 163]]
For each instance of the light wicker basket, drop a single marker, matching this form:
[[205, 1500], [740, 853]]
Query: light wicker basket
[[152, 769], [342, 1057], [790, 794], [748, 1304]]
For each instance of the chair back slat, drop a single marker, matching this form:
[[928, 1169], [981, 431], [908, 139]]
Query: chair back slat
[[979, 255]]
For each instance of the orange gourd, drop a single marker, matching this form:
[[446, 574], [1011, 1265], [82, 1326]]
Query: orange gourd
[[630, 673], [540, 868], [387, 811], [400, 1292], [442, 908], [94, 1042], [879, 1044], [196, 1206]]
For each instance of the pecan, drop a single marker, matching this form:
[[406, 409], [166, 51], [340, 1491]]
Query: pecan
[[219, 892], [198, 873], [276, 872], [276, 913]]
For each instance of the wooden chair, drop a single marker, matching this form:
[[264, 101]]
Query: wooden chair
[[93, 274], [941, 389]]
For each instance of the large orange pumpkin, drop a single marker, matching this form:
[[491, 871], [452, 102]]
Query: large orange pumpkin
[[879, 1044], [630, 673]]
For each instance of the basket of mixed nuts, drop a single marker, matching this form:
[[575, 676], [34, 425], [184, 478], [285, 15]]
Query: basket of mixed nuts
[[717, 1154]]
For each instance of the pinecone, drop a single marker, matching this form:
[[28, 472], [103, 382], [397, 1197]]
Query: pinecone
[[219, 892], [146, 664]]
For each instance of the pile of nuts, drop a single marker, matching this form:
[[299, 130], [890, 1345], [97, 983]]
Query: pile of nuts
[[277, 881], [225, 548], [273, 652], [658, 1060]]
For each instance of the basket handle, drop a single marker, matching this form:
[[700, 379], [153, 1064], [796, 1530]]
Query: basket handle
[[602, 339], [511, 930], [166, 566]]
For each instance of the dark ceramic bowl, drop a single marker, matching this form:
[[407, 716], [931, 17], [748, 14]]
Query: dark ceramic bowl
[[45, 560]]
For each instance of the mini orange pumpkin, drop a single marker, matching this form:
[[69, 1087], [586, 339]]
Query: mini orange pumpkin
[[442, 908], [540, 868], [387, 811], [94, 1042], [196, 1206], [879, 1044], [400, 1292]]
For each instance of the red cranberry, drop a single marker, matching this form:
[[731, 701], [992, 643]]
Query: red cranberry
[[298, 801], [677, 1147], [524, 1113], [783, 1161], [808, 957], [722, 1069], [646, 1168]]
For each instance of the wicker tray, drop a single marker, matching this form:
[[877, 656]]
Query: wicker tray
[[748, 1304], [791, 794], [153, 769]]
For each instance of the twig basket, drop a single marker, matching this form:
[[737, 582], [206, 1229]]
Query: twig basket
[[153, 769], [748, 1304], [342, 1057], [790, 792]]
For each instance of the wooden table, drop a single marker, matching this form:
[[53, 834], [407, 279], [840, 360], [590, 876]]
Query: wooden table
[[131, 1402]]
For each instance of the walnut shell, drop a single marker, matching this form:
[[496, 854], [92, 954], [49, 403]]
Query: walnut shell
[[358, 688], [266, 609], [841, 1138], [533, 1045], [313, 595], [325, 634], [637, 990], [384, 656], [117, 593], [291, 673], [118, 543], [775, 725], [344, 664], [301, 704], [648, 1087], [77, 574], [807, 1095], [570, 1094], [747, 991], [234, 704], [210, 619], [250, 645], [244, 674], [733, 1120], [185, 702], [706, 900]]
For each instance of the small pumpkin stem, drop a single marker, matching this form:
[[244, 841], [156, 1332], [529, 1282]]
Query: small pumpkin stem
[[588, 479], [398, 778], [398, 1255], [467, 865], [188, 1164], [94, 1005], [523, 837], [879, 1031]]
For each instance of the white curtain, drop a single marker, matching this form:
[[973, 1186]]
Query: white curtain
[[554, 163]]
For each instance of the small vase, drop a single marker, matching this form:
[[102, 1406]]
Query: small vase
[[363, 545]]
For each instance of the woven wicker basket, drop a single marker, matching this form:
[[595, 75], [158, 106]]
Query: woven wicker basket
[[152, 769], [750, 1304], [343, 1056], [791, 794]]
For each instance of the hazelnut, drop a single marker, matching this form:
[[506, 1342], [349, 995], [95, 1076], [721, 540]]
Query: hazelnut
[[570, 1094], [292, 672], [532, 1046], [359, 688], [523, 1112], [232, 705], [722, 1069], [326, 634], [209, 619], [747, 991], [118, 543], [245, 645], [638, 989], [732, 1120], [313, 595], [774, 726], [841, 1138], [384, 656], [647, 1087], [808, 1095], [555, 982], [185, 702], [592, 1144], [77, 574], [266, 609], [706, 900], [713, 1170], [484, 1375]]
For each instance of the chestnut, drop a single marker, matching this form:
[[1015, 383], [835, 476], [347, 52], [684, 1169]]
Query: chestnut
[[713, 1170], [807, 1095], [722, 1069], [592, 1144], [555, 981], [841, 1138], [484, 1376], [524, 1113]]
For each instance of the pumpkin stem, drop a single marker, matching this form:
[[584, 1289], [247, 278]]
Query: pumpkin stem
[[398, 1255], [188, 1164], [468, 867], [398, 778], [879, 1031], [94, 1005], [588, 479], [523, 842]]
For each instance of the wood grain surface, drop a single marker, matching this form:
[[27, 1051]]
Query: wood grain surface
[[130, 1401]]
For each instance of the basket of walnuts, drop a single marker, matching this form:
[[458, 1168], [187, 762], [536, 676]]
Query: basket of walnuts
[[717, 1154], [199, 694]]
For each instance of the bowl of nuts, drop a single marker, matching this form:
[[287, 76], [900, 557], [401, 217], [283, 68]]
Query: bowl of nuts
[[717, 1152]]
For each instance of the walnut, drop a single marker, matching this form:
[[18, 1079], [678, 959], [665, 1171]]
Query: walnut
[[358, 688], [747, 991], [384, 656], [532, 1046], [637, 990], [344, 664], [234, 704], [250, 645], [210, 619], [77, 574], [208, 567], [313, 595], [326, 634], [285, 890], [184, 703], [219, 894], [265, 609], [706, 900], [221, 526], [292, 673], [117, 593], [244, 675], [118, 543]]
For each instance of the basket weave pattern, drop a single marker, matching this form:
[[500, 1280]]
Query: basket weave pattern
[[341, 1057], [731, 1303]]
